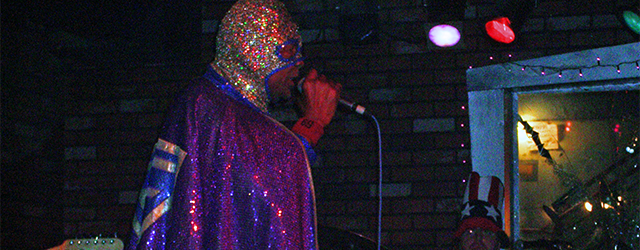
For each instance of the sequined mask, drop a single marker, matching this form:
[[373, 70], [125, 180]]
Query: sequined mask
[[248, 42]]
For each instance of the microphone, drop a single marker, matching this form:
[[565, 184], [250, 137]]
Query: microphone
[[348, 104]]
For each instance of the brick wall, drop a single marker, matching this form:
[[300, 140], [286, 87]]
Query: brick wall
[[109, 116], [31, 133], [31, 171], [111, 123]]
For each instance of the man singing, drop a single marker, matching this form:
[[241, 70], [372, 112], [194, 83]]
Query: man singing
[[224, 174]]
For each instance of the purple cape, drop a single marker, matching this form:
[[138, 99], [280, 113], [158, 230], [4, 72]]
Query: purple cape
[[225, 176]]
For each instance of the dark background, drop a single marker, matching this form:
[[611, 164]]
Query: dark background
[[85, 85]]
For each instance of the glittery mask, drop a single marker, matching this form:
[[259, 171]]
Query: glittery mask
[[248, 43]]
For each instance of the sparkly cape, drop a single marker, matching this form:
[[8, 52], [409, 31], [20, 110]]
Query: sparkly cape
[[225, 176]]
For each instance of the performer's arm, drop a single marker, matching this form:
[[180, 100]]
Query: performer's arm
[[309, 133], [319, 105], [309, 129]]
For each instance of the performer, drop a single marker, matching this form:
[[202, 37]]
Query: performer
[[224, 174], [480, 226]]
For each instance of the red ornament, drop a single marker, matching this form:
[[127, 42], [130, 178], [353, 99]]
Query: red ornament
[[500, 30]]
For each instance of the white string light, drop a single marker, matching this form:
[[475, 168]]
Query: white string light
[[546, 69]]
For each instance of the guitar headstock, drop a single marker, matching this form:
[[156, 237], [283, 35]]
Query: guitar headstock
[[96, 243]]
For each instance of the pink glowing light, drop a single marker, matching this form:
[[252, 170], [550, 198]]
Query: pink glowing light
[[444, 35]]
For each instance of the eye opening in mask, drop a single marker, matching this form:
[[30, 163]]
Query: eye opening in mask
[[289, 50]]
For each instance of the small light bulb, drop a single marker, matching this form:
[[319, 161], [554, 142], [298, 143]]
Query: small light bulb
[[588, 206], [630, 150]]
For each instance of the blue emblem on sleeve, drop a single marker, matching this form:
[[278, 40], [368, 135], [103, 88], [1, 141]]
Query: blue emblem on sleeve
[[155, 196]]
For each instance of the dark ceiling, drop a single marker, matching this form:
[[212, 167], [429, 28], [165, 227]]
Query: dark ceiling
[[92, 31]]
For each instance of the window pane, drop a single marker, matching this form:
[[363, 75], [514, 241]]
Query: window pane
[[590, 137]]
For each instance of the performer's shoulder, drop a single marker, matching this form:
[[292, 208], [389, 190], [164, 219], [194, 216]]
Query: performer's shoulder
[[200, 85], [199, 88]]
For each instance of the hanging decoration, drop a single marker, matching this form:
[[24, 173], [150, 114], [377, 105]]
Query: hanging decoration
[[616, 212], [567, 179], [568, 71], [444, 35]]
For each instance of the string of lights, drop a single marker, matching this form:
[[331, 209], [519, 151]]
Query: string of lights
[[580, 71], [549, 70]]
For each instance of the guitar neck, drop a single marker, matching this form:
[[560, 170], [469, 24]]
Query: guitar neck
[[91, 244]]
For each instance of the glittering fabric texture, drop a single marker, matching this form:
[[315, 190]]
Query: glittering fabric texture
[[244, 181], [155, 196], [247, 46]]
